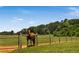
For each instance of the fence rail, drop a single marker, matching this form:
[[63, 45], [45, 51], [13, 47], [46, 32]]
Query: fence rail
[[13, 39]]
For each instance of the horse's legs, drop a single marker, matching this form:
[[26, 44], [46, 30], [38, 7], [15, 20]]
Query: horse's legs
[[34, 42], [27, 42], [30, 42]]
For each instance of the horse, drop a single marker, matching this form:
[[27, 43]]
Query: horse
[[31, 36]]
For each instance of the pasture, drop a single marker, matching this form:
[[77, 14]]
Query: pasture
[[56, 44]]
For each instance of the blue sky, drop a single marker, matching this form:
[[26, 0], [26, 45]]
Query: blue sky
[[19, 17]]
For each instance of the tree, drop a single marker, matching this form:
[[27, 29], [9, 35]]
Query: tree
[[41, 29], [23, 31], [12, 32]]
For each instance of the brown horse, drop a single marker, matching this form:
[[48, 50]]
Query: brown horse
[[31, 36]]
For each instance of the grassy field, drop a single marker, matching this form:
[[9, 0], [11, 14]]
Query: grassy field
[[13, 39], [59, 44], [68, 47]]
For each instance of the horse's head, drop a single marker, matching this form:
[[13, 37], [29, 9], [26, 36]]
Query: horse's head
[[31, 33]]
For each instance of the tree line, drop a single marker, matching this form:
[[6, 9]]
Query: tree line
[[7, 33], [66, 27]]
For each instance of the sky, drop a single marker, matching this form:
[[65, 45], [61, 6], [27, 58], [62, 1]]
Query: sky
[[19, 17]]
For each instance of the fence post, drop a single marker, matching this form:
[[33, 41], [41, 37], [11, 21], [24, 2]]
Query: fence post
[[19, 41], [49, 39], [37, 40], [49, 34], [59, 40]]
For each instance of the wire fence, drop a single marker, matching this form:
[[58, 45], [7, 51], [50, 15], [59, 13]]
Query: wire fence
[[55, 40], [41, 40]]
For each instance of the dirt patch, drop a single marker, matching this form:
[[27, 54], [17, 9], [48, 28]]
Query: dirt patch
[[6, 49]]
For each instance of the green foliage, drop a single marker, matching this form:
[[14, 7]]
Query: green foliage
[[41, 29], [23, 31], [64, 28], [7, 33]]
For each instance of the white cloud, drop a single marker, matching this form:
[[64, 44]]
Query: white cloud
[[73, 8], [18, 19], [74, 11]]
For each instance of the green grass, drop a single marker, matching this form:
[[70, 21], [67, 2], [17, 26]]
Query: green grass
[[13, 39], [8, 40], [69, 47]]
